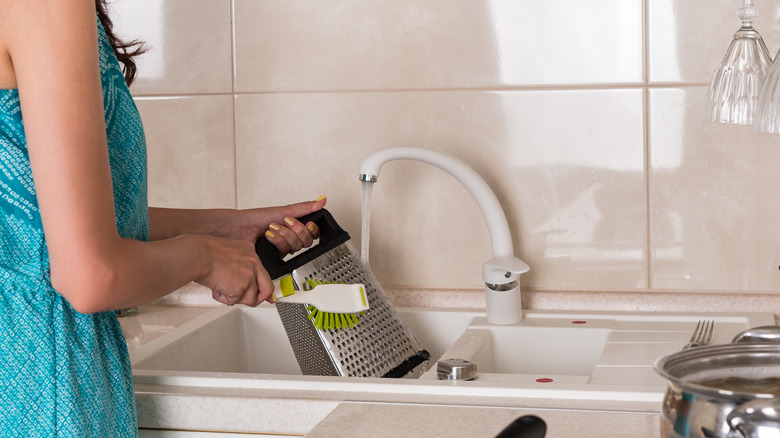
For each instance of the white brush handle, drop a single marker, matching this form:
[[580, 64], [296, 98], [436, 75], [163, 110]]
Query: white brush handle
[[331, 298]]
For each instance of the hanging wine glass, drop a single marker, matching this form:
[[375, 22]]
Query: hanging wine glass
[[767, 119], [736, 81]]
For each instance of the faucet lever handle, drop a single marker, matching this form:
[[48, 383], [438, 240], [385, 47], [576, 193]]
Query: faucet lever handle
[[503, 269]]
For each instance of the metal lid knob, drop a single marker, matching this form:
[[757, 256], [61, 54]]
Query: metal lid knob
[[768, 333], [456, 369]]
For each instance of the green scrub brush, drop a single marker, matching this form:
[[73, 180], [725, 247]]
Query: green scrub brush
[[330, 305]]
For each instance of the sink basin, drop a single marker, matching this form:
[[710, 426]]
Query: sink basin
[[540, 350], [226, 339], [253, 341], [588, 348], [543, 346]]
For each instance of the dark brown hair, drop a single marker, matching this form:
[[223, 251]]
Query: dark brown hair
[[124, 51]]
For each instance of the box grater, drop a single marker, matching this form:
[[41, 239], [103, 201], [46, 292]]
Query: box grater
[[381, 345]]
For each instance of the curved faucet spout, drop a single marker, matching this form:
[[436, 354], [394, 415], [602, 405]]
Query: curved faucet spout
[[500, 237], [502, 272]]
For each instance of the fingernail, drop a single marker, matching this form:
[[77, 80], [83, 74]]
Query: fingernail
[[269, 234], [289, 221], [274, 226], [310, 226], [320, 198]]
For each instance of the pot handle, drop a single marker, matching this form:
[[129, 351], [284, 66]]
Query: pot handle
[[767, 333], [756, 416]]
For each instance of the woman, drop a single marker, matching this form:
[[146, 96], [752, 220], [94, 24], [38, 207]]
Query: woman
[[77, 239]]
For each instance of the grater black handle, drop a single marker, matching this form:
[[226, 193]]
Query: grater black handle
[[331, 236]]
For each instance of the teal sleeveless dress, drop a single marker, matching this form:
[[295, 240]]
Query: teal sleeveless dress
[[63, 373]]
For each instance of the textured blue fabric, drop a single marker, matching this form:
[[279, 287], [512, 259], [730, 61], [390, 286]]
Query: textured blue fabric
[[63, 373]]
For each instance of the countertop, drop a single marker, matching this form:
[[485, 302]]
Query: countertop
[[150, 322], [382, 420]]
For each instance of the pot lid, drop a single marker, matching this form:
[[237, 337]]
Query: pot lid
[[739, 371]]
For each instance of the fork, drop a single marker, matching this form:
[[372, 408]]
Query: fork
[[702, 334]]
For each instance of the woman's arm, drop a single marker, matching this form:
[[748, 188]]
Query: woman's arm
[[53, 47], [279, 224]]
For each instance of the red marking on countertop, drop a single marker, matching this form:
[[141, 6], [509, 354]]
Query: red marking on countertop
[[579, 322], [544, 380]]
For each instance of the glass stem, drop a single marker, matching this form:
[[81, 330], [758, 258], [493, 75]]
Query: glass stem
[[747, 13]]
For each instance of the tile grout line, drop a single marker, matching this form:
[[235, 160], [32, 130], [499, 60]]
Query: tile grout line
[[234, 97], [646, 139], [584, 87]]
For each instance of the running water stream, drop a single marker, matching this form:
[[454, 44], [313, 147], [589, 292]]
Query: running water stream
[[365, 238]]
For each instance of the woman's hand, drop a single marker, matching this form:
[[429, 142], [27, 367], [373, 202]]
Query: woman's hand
[[291, 236], [279, 225], [234, 273]]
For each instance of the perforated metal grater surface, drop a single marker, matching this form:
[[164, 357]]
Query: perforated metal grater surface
[[381, 345]]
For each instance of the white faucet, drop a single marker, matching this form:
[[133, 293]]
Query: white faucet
[[502, 273]]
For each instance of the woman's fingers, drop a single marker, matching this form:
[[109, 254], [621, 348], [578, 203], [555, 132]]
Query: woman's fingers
[[274, 234], [235, 274], [261, 289], [302, 234], [265, 287], [301, 208], [314, 230], [218, 296], [292, 235]]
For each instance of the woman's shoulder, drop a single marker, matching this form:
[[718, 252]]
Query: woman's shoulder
[[7, 76], [42, 32]]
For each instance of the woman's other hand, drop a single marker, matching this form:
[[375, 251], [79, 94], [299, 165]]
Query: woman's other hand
[[279, 225], [233, 272], [291, 235]]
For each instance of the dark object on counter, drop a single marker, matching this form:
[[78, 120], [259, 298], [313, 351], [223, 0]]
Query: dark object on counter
[[527, 426], [125, 312], [380, 346]]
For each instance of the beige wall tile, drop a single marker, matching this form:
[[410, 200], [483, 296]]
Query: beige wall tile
[[369, 45], [574, 197], [544, 99], [191, 151], [713, 217], [189, 44], [687, 37]]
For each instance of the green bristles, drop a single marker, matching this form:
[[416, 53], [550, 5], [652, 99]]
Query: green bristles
[[326, 320]]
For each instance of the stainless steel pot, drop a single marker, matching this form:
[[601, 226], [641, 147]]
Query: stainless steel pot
[[722, 391]]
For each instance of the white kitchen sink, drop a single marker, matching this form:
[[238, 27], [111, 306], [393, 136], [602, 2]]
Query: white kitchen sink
[[574, 353], [588, 348]]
